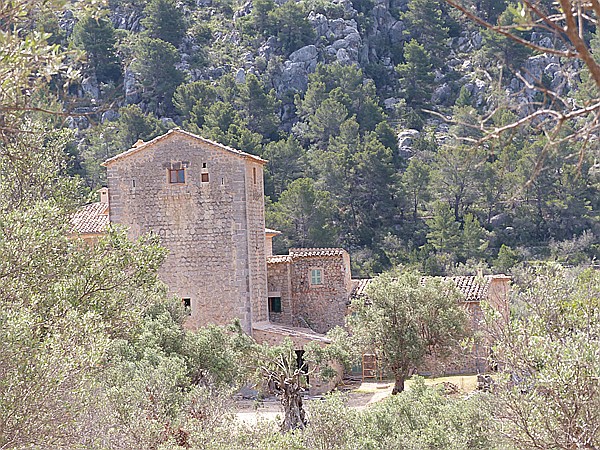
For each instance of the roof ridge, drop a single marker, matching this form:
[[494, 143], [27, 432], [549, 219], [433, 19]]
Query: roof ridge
[[140, 147]]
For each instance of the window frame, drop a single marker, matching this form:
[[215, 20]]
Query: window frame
[[179, 176], [273, 300], [312, 278]]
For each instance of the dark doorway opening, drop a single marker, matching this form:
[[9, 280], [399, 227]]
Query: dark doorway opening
[[302, 365]]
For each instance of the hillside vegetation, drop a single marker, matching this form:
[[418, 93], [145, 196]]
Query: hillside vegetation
[[367, 112]]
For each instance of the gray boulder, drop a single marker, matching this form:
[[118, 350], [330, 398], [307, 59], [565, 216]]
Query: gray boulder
[[406, 140]]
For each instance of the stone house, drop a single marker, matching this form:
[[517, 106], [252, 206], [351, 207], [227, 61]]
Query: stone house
[[475, 290], [206, 202]]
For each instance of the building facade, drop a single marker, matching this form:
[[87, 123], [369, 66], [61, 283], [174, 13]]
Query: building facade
[[205, 201]]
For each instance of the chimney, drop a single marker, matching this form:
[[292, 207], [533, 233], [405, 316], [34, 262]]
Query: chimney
[[104, 197]]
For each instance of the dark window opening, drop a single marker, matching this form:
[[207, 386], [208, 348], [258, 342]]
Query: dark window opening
[[254, 174], [275, 304], [204, 165], [222, 181], [205, 178], [133, 183], [187, 304], [176, 176]]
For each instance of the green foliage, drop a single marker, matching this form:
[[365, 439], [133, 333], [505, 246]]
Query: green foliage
[[286, 164], [33, 168], [192, 101], [511, 54], [303, 213], [115, 137], [506, 260], [31, 58], [224, 124], [259, 108], [164, 20], [404, 318], [428, 24], [97, 37], [423, 417], [456, 173], [154, 66], [293, 30], [415, 75], [343, 85], [549, 393], [415, 181], [444, 230], [359, 173]]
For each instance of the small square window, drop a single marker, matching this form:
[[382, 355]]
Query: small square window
[[176, 175], [204, 178], [316, 276], [187, 304], [275, 304]]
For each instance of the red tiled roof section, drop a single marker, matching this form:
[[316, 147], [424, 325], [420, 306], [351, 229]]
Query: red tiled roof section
[[474, 289], [359, 287], [308, 252], [91, 219], [278, 259]]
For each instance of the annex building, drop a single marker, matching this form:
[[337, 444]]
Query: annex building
[[206, 202]]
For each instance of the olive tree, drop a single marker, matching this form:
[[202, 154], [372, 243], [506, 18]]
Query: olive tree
[[404, 318], [549, 394]]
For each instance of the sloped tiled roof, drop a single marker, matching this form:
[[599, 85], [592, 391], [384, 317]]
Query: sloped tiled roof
[[359, 287], [278, 259], [308, 252], [90, 219], [143, 145], [474, 289]]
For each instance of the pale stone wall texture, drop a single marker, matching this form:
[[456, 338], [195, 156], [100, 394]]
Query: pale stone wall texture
[[214, 230], [324, 306], [280, 285], [319, 307]]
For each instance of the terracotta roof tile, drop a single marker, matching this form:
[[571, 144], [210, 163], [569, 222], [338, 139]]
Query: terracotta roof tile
[[91, 219], [308, 252], [474, 289], [278, 259]]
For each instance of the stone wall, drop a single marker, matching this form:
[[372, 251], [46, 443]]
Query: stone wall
[[280, 285], [214, 230], [324, 306]]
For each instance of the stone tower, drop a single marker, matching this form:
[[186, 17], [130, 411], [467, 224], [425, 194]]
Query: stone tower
[[205, 201]]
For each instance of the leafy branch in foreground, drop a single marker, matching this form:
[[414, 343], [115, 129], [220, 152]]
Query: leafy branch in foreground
[[572, 25]]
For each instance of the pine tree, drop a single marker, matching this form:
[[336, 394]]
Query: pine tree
[[415, 75], [165, 21], [97, 37]]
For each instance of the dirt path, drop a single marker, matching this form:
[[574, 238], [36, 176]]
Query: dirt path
[[359, 397]]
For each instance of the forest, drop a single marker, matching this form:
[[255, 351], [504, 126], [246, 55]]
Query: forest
[[442, 137], [366, 112]]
